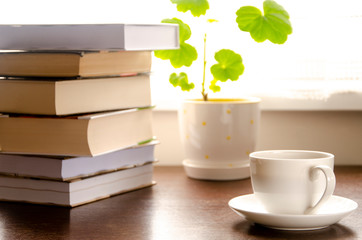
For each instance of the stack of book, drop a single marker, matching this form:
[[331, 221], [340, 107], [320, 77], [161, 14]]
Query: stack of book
[[75, 103]]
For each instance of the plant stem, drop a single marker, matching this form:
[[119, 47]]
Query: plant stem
[[204, 95]]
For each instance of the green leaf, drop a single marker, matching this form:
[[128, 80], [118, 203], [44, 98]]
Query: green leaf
[[211, 20], [182, 81], [184, 29], [186, 54], [229, 66], [196, 7], [274, 25], [215, 88]]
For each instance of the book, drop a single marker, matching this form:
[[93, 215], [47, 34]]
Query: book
[[79, 135], [75, 193], [69, 168], [74, 63], [115, 36], [65, 97]]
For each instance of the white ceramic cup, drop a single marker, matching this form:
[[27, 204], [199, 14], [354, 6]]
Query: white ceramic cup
[[292, 181]]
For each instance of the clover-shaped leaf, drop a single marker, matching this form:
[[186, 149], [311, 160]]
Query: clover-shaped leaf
[[182, 81], [186, 54], [196, 7], [273, 25], [229, 66]]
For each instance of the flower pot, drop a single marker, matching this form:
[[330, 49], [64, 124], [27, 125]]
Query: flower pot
[[217, 136]]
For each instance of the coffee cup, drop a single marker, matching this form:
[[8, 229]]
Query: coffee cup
[[292, 181]]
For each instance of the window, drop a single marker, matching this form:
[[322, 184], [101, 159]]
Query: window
[[319, 67]]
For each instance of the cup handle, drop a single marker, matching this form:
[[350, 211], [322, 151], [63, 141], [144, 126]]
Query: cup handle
[[330, 185]]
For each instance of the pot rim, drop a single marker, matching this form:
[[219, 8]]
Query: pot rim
[[244, 100]]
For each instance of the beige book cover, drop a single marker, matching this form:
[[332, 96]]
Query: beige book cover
[[79, 135]]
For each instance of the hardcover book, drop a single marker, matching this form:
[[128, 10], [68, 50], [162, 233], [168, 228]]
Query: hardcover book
[[79, 135], [69, 168], [73, 96], [89, 37], [74, 63], [75, 193]]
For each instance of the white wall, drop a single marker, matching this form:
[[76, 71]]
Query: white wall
[[337, 132]]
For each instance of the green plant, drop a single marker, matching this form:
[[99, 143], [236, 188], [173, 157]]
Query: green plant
[[272, 24]]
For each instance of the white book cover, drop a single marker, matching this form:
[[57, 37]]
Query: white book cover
[[68, 168], [75, 193], [118, 37]]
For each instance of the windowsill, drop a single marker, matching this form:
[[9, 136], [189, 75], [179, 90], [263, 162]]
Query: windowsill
[[349, 101], [336, 102]]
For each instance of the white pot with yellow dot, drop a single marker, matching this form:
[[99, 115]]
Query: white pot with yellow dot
[[218, 135]]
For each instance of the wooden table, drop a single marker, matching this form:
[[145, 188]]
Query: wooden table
[[176, 208]]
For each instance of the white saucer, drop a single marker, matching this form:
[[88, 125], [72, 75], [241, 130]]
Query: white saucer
[[331, 212]]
